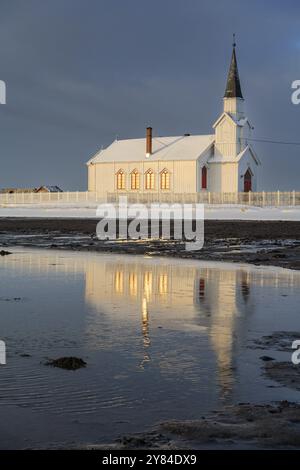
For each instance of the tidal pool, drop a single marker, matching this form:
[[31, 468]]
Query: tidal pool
[[162, 338]]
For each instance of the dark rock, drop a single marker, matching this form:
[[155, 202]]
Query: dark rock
[[279, 340], [4, 253], [267, 358], [69, 363]]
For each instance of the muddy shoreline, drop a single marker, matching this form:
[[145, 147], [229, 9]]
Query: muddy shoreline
[[274, 243], [238, 426], [242, 426]]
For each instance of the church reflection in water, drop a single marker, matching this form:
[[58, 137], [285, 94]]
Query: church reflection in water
[[222, 297], [210, 295], [149, 293]]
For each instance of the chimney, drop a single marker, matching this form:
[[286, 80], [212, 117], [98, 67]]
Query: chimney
[[148, 141]]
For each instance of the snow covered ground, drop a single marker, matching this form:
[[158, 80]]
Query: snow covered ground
[[212, 212], [233, 212]]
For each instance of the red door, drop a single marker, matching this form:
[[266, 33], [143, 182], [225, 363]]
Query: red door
[[204, 178], [247, 181]]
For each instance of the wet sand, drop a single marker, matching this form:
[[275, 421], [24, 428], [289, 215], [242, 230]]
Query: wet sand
[[283, 372], [273, 243], [241, 426]]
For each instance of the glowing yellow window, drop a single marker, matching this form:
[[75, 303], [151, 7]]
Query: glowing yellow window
[[121, 180], [165, 180], [149, 182], [135, 179]]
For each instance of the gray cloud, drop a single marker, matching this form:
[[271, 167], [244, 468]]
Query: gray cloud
[[79, 72]]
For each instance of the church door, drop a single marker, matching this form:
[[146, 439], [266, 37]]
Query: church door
[[247, 181], [204, 178]]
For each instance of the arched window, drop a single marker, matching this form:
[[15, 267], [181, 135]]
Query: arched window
[[121, 184], [248, 181], [204, 178], [149, 179], [135, 180], [165, 179]]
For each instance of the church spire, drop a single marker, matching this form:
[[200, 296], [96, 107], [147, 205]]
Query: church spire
[[233, 87]]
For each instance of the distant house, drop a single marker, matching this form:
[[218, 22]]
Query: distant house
[[17, 190], [40, 189], [48, 189]]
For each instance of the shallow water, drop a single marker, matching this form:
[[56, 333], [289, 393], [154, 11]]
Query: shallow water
[[163, 338]]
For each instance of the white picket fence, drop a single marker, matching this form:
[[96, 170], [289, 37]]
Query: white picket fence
[[261, 199], [88, 198], [67, 197]]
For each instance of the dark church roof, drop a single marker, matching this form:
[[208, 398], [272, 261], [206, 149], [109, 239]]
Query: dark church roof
[[233, 87]]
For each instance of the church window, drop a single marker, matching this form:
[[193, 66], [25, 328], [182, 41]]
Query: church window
[[165, 179], [121, 180], [149, 179], [135, 180]]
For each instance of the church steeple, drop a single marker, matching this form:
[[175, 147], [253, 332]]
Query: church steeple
[[233, 86], [232, 129]]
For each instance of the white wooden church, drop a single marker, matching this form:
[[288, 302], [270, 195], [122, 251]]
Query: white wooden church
[[221, 162]]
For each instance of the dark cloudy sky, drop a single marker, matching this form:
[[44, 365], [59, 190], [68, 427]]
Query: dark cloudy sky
[[80, 72]]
